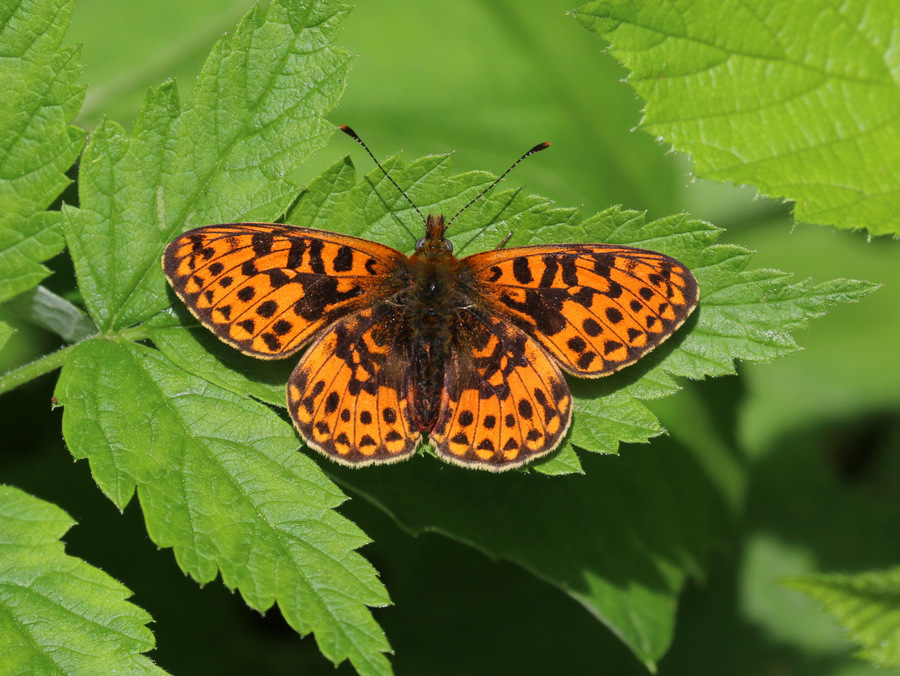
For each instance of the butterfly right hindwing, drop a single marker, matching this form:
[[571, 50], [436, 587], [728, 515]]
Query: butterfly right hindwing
[[348, 395]]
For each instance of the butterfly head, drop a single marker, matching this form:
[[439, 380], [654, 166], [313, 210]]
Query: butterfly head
[[433, 243]]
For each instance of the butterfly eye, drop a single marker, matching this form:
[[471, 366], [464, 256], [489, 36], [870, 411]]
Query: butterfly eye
[[448, 245], [420, 244]]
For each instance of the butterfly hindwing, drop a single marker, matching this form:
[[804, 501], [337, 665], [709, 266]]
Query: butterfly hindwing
[[595, 308], [504, 401], [267, 288], [348, 395]]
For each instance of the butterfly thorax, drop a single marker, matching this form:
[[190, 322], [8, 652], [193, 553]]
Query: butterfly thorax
[[432, 294]]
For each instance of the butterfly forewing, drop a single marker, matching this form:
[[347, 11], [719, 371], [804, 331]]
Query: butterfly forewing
[[266, 289], [595, 308]]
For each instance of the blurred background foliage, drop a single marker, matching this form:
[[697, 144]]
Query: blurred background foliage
[[815, 476]]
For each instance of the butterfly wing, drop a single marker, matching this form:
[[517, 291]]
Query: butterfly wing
[[266, 289], [595, 307], [348, 395], [504, 401]]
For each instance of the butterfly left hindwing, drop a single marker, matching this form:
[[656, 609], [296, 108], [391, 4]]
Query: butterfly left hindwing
[[504, 401]]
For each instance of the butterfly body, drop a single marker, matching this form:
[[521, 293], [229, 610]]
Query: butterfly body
[[430, 307], [466, 353]]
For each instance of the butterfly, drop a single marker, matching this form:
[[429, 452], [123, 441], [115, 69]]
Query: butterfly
[[467, 353]]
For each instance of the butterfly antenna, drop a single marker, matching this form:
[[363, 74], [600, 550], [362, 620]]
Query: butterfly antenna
[[538, 148], [352, 134]]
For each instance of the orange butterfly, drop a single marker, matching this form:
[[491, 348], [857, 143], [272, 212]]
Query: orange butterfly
[[468, 352]]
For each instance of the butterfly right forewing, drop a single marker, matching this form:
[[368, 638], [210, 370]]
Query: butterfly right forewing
[[266, 288]]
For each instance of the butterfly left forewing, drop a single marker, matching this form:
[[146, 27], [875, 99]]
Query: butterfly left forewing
[[595, 307], [266, 288]]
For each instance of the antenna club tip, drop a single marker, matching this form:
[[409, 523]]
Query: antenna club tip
[[348, 131], [546, 144]]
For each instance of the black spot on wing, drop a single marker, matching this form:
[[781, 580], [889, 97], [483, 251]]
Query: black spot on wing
[[522, 271], [267, 308], [343, 261], [261, 243], [295, 253], [316, 262]]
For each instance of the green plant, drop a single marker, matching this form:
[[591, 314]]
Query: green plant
[[161, 409]]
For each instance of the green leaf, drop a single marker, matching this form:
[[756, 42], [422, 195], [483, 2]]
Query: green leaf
[[620, 540], [867, 605], [797, 99], [745, 314], [37, 145], [42, 307], [216, 472], [57, 613], [255, 114], [220, 481], [199, 352]]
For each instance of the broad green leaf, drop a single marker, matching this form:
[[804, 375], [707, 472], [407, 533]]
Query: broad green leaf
[[6, 332], [867, 605], [57, 613], [43, 308], [620, 539], [199, 352], [743, 314], [37, 145], [254, 115], [797, 99], [220, 481]]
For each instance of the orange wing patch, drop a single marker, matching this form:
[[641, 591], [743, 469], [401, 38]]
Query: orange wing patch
[[266, 289], [504, 402], [348, 394], [596, 308]]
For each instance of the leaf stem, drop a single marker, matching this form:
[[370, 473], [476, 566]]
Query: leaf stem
[[54, 360], [38, 367]]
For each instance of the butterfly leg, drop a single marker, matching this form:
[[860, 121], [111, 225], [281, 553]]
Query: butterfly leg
[[505, 240]]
